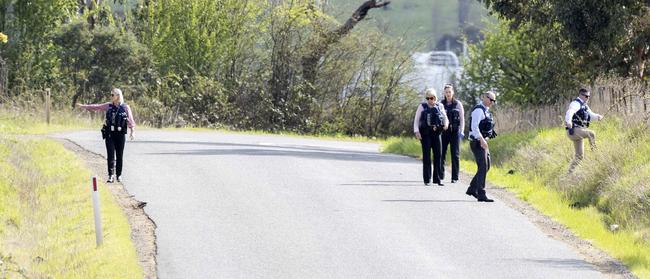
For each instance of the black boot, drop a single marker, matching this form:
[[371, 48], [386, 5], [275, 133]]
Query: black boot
[[485, 199]]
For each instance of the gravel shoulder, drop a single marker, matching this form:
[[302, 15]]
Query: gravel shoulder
[[142, 227], [608, 266]]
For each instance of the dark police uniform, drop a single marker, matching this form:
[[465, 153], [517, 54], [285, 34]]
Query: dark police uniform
[[114, 132], [483, 116], [451, 137], [430, 133]]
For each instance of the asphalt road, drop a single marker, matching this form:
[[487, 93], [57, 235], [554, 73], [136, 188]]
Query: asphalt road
[[251, 206]]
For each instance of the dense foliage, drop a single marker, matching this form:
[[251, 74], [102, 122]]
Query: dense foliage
[[542, 50], [529, 66], [226, 63], [289, 66]]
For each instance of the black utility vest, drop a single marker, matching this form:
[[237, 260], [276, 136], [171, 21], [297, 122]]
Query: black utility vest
[[581, 118], [453, 113], [430, 117], [116, 118], [485, 126]]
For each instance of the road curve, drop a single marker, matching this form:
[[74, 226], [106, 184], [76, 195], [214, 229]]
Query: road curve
[[253, 206]]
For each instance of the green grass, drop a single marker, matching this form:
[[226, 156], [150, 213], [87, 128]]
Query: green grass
[[46, 225], [46, 216], [610, 187], [33, 123]]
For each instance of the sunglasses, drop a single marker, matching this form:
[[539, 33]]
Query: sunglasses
[[430, 98], [586, 96], [492, 100]]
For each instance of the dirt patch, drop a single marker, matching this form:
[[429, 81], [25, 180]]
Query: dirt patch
[[142, 227], [608, 266]]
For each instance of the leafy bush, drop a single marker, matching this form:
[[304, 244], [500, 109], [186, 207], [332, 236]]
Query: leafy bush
[[527, 66]]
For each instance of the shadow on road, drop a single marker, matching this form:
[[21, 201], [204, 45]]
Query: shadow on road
[[390, 183], [560, 263], [313, 152], [472, 201]]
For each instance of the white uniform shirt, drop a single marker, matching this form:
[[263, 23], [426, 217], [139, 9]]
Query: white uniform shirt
[[575, 107], [477, 116]]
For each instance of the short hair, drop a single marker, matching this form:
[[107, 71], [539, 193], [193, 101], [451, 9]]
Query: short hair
[[119, 93], [583, 91], [430, 92]]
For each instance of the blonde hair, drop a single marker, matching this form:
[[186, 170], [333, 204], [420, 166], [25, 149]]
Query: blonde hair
[[119, 93], [430, 92]]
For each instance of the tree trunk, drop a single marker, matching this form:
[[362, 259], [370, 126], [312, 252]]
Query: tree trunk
[[4, 79], [89, 5], [641, 57]]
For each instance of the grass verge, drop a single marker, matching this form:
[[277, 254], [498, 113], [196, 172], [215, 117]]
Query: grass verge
[[33, 123], [46, 217], [609, 189]]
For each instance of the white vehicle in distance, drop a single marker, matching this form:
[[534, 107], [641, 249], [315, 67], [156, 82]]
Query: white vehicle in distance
[[434, 69]]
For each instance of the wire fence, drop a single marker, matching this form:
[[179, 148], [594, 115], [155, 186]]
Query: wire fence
[[627, 99]]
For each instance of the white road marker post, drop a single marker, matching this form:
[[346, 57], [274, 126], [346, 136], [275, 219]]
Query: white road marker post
[[98, 214]]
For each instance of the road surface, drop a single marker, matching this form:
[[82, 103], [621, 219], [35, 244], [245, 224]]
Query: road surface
[[255, 206]]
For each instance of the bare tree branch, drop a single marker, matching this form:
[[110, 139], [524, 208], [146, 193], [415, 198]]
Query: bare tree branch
[[320, 47]]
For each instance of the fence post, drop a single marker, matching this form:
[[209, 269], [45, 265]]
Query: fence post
[[47, 105]]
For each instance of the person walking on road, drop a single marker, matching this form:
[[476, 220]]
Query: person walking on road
[[576, 122], [454, 134], [430, 120], [118, 119], [481, 129]]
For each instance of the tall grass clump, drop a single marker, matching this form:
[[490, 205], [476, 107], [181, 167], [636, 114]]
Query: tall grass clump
[[607, 196], [46, 217], [613, 177], [405, 146]]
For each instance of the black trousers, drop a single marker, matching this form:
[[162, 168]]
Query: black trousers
[[431, 142], [482, 158], [115, 146], [450, 138]]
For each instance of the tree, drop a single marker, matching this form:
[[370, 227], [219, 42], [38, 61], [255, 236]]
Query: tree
[[29, 55], [325, 40], [607, 35], [613, 34], [200, 37], [100, 59], [527, 66]]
